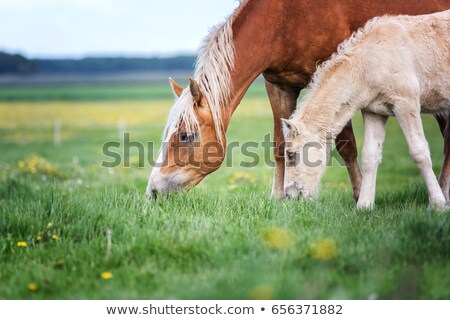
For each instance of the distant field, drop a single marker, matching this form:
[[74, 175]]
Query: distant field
[[85, 93], [100, 91], [224, 240]]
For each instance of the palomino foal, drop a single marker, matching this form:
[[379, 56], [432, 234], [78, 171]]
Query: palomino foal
[[394, 66]]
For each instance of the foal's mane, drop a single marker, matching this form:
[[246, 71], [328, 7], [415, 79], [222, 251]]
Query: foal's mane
[[344, 51], [212, 72]]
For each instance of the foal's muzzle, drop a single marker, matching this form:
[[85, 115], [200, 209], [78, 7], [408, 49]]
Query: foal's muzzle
[[293, 191]]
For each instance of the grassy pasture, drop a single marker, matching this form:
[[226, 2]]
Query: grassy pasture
[[224, 240], [96, 92]]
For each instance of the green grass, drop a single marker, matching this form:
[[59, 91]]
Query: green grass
[[96, 92], [84, 93], [210, 243]]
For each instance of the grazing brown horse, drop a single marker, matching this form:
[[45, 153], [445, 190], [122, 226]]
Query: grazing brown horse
[[284, 40]]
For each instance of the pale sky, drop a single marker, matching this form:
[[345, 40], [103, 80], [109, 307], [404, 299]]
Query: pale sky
[[78, 28]]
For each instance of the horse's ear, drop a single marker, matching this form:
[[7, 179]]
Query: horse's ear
[[195, 91], [177, 89], [289, 127]]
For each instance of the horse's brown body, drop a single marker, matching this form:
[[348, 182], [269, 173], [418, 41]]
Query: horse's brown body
[[285, 39]]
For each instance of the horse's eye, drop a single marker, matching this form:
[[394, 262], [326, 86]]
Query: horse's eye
[[186, 137]]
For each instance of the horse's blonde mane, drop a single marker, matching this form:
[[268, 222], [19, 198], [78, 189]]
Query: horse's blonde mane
[[214, 62]]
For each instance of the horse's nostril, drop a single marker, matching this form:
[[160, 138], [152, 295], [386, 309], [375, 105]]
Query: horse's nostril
[[152, 195]]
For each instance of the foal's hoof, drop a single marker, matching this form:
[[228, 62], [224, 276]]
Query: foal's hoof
[[365, 206], [439, 208]]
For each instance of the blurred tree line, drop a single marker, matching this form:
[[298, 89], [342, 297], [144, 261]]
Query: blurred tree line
[[15, 63], [18, 64]]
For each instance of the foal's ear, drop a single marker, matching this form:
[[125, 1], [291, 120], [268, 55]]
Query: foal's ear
[[177, 89], [195, 91], [289, 127]]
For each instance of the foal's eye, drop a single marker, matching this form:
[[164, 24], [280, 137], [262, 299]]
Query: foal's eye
[[186, 137], [290, 155]]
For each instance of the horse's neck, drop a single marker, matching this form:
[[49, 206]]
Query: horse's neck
[[252, 49]]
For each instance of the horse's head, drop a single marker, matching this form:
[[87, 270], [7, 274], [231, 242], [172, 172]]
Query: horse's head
[[193, 143], [305, 160]]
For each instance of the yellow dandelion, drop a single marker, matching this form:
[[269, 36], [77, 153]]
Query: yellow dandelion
[[32, 287], [231, 181], [107, 275], [54, 237], [38, 238], [21, 244], [238, 175], [35, 164], [278, 238], [21, 165], [50, 224], [323, 249], [262, 292], [233, 187], [247, 175]]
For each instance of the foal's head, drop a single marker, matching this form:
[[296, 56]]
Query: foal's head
[[305, 160], [193, 145]]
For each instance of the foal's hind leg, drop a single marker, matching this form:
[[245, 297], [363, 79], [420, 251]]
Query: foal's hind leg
[[346, 146], [444, 177], [408, 115], [374, 134]]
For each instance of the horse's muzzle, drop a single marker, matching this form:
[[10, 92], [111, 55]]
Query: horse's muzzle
[[152, 194]]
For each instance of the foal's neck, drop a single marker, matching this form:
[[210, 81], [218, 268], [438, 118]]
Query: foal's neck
[[330, 105]]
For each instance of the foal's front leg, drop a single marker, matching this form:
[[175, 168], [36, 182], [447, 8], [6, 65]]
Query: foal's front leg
[[374, 134], [346, 147], [408, 115]]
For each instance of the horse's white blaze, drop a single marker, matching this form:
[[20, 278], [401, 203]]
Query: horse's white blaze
[[394, 66], [164, 183], [154, 181]]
